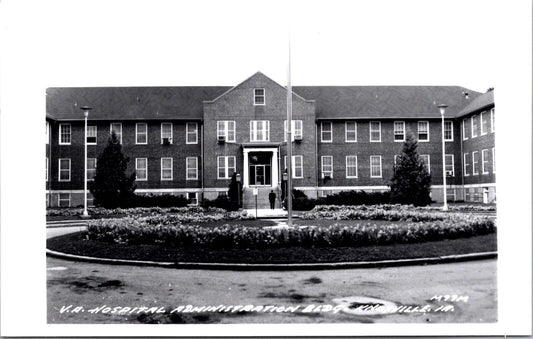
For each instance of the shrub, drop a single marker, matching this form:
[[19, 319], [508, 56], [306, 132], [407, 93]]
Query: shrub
[[158, 201], [222, 202], [358, 198]]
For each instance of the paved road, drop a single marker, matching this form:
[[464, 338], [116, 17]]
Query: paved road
[[94, 285]]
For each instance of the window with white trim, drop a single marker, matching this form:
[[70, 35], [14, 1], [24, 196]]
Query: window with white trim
[[91, 168], [166, 133], [475, 163], [485, 161], [484, 122], [117, 128], [47, 133], [46, 169], [166, 169], [474, 126], [259, 96], [91, 135], [465, 129], [375, 131], [326, 131], [327, 166], [448, 131], [64, 169], [449, 165], [399, 131], [63, 199], [296, 164], [192, 168], [375, 166], [193, 198], [64, 134], [259, 130], [141, 169], [493, 160], [90, 199], [141, 133], [350, 131], [226, 129], [192, 132], [425, 160], [466, 165], [296, 129], [492, 126], [423, 131], [225, 167], [351, 166]]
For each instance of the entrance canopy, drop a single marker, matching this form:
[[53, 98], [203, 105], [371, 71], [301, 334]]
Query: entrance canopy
[[261, 166]]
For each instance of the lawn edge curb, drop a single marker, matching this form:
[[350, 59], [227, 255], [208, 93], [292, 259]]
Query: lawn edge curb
[[279, 267]]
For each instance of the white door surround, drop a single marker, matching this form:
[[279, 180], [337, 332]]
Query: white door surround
[[246, 167]]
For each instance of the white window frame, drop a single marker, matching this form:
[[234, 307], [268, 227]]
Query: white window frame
[[380, 166], [428, 163], [475, 164], [118, 134], [195, 198], [47, 168], [448, 156], [47, 132], [481, 122], [64, 169], [450, 123], [295, 167], [473, 126], [323, 131], [90, 129], [296, 129], [492, 122], [493, 160], [59, 199], [226, 167], [265, 124], [69, 134], [371, 130], [400, 131], [171, 132], [466, 164], [188, 132], [224, 131], [138, 133], [137, 168], [166, 168], [256, 96], [91, 169], [195, 168], [465, 129], [348, 166], [484, 159], [323, 171], [421, 123], [347, 130]]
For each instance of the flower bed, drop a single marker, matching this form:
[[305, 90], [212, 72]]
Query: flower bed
[[373, 212], [131, 211]]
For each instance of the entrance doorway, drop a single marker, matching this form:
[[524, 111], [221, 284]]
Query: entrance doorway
[[260, 168]]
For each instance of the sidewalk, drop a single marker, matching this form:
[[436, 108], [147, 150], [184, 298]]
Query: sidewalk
[[268, 213]]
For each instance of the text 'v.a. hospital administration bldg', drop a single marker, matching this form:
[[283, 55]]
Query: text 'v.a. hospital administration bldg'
[[190, 140]]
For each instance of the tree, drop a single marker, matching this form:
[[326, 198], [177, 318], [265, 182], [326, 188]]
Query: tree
[[111, 187], [411, 181]]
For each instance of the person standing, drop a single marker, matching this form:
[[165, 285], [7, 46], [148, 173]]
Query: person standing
[[272, 199]]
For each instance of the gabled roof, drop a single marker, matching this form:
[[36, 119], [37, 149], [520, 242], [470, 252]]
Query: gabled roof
[[482, 102], [337, 102]]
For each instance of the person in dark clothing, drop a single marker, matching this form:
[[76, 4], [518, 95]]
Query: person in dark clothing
[[272, 199]]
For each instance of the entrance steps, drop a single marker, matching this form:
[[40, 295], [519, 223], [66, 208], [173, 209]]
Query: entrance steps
[[248, 198]]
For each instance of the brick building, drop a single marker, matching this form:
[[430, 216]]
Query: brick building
[[190, 140]]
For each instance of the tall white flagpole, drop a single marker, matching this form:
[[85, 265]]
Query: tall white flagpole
[[289, 140]]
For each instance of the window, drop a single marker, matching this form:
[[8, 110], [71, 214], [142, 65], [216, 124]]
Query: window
[[91, 135], [297, 166], [166, 169], [375, 131], [296, 129], [259, 97], [399, 131], [141, 134], [327, 166], [47, 133], [192, 168], [485, 161], [90, 199], [475, 163], [63, 199], [466, 164], [326, 131], [193, 198], [375, 166], [226, 129], [448, 131], [351, 166], [474, 126], [492, 126], [166, 133], [484, 123], [465, 129], [450, 194], [64, 169], [192, 133], [259, 130], [423, 131], [425, 160], [46, 176], [226, 167], [64, 134], [91, 168], [493, 161], [117, 128], [141, 169], [350, 131], [449, 165]]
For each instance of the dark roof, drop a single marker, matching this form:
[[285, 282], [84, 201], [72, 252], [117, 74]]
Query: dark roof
[[130, 103], [385, 101], [484, 101]]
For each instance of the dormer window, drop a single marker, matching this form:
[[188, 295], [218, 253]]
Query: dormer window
[[259, 97]]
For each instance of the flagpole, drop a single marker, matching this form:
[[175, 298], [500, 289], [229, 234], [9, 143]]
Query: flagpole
[[289, 140]]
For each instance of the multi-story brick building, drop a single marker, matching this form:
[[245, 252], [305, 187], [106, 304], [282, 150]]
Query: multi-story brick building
[[190, 140]]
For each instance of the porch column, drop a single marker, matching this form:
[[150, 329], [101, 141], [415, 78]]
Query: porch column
[[274, 170], [246, 177]]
